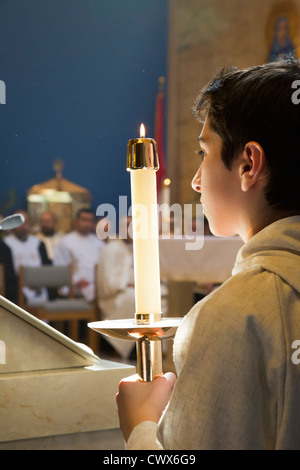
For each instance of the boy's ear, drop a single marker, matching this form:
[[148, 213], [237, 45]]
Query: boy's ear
[[253, 165]]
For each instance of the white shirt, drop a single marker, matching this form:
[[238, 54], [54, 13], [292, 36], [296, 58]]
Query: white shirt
[[82, 252]]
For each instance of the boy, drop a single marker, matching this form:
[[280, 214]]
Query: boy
[[238, 382]]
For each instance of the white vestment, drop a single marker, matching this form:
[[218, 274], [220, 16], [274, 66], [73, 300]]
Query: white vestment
[[82, 252], [115, 288]]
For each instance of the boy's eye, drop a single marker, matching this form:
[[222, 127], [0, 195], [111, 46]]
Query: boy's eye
[[201, 154]]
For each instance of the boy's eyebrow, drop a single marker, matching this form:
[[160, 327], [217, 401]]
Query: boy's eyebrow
[[201, 139]]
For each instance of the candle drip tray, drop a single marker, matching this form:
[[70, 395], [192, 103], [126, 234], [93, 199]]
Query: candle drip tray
[[130, 330]]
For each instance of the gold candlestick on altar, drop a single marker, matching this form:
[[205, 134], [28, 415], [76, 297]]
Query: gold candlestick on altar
[[148, 328]]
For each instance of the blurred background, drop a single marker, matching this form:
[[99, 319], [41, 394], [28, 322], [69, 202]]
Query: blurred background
[[80, 76]]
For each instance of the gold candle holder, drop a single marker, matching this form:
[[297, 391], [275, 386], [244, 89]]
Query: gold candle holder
[[148, 338], [148, 328], [142, 154]]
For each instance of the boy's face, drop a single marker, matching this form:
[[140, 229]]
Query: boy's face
[[219, 187]]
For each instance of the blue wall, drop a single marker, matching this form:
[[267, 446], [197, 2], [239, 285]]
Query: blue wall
[[80, 75]]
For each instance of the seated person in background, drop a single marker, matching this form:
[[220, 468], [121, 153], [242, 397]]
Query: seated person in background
[[27, 250], [10, 278], [81, 249], [48, 233], [115, 284]]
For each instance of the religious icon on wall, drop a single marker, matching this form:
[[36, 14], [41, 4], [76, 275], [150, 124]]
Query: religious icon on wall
[[281, 31]]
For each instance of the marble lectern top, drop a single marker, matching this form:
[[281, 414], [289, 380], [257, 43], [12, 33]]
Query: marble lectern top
[[49, 384], [29, 344]]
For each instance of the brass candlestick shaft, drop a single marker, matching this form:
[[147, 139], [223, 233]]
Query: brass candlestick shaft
[[149, 349], [149, 357]]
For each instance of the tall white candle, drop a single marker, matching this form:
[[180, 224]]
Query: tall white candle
[[142, 156], [145, 241]]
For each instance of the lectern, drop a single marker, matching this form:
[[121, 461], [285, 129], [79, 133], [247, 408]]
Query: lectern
[[51, 386]]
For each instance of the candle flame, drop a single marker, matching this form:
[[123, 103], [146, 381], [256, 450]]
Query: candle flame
[[142, 131], [167, 181]]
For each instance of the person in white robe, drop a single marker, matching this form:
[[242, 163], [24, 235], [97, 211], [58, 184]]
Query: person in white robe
[[115, 288], [48, 233], [27, 250], [237, 351], [81, 249]]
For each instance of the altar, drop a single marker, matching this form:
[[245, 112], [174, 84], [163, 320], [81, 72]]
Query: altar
[[185, 269], [212, 263]]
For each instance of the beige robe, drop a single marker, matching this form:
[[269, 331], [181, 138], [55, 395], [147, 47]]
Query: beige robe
[[235, 352]]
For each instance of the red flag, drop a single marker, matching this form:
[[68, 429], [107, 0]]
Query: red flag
[[159, 135]]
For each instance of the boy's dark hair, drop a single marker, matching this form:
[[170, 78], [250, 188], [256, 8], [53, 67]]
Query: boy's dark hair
[[256, 104]]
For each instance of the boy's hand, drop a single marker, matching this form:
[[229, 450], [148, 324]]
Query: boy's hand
[[142, 401]]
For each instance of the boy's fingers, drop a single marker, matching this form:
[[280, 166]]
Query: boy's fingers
[[171, 378]]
